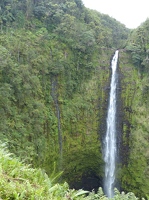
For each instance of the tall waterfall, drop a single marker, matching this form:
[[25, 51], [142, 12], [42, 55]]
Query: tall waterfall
[[110, 138]]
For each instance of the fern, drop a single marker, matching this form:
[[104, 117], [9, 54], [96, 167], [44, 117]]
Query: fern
[[19, 182]]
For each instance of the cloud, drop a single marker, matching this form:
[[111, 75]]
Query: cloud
[[129, 12]]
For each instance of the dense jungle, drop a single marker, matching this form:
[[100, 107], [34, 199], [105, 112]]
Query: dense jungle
[[54, 84]]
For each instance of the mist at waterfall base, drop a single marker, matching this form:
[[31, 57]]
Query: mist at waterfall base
[[110, 149]]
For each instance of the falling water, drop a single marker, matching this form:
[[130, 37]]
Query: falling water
[[110, 138]]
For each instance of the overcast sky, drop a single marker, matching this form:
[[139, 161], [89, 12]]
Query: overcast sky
[[129, 12]]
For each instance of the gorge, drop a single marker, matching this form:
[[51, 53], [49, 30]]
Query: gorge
[[55, 76]]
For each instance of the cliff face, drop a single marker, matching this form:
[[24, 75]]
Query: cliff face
[[54, 87], [54, 78], [83, 163], [132, 131], [85, 153], [133, 170]]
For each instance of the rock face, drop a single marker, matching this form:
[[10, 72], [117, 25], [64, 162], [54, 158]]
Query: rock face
[[133, 112], [125, 106], [84, 166], [84, 160]]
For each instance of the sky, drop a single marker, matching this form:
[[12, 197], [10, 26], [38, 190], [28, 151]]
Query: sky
[[129, 12]]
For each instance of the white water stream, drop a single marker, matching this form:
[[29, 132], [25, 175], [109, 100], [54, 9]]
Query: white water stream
[[110, 138]]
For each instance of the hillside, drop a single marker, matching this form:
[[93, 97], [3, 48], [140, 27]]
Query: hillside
[[137, 168], [50, 53], [54, 84]]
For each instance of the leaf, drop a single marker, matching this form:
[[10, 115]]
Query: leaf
[[79, 192]]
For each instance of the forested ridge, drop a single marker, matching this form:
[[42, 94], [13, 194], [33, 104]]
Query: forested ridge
[[54, 79]]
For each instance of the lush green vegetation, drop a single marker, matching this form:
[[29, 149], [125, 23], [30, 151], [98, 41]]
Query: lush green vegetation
[[50, 55], [54, 79], [19, 181], [136, 168]]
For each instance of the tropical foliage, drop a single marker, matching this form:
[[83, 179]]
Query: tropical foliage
[[20, 181], [54, 83], [49, 56]]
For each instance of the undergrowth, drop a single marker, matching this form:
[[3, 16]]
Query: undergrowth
[[20, 181]]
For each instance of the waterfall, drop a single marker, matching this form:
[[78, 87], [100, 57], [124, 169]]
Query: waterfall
[[110, 138]]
